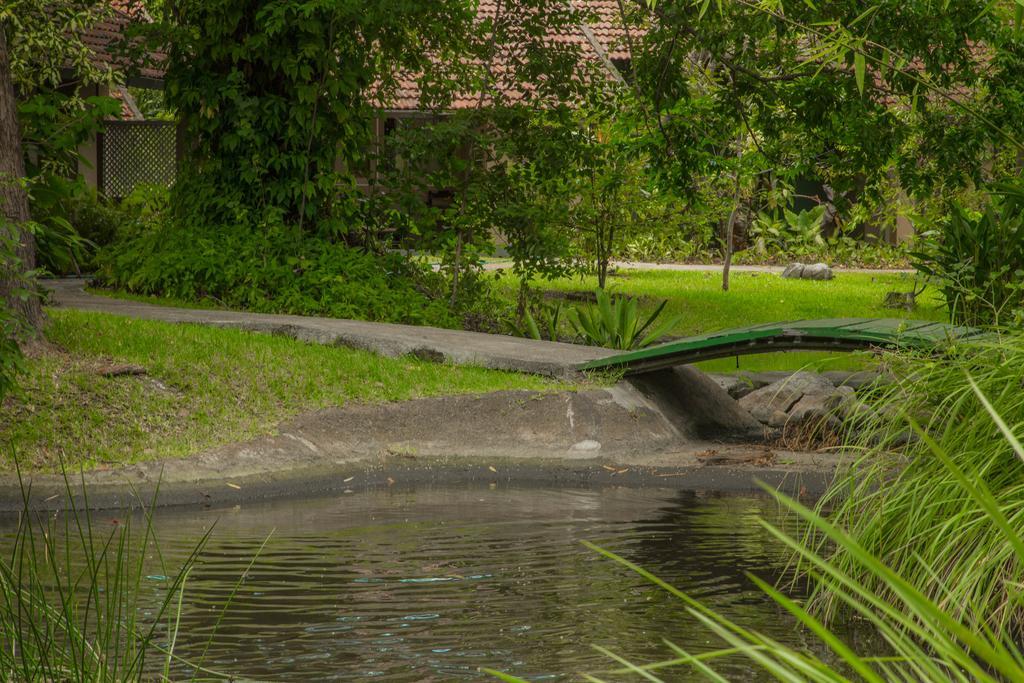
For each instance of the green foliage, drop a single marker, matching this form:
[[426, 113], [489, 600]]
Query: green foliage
[[909, 505], [12, 361], [923, 635], [95, 218], [74, 603], [273, 94], [841, 250], [44, 44], [266, 270], [465, 180], [550, 323], [977, 259], [949, 538], [616, 323], [840, 93], [53, 125], [794, 231]]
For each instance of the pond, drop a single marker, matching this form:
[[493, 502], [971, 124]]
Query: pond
[[430, 585]]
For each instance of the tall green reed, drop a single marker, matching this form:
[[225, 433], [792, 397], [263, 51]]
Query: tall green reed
[[924, 546], [73, 592], [905, 505]]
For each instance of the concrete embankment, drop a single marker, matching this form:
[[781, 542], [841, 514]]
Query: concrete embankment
[[676, 428]]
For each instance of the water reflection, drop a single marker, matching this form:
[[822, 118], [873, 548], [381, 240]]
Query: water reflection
[[432, 584]]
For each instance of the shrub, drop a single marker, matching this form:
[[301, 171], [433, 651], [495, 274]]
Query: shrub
[[977, 259], [616, 323], [269, 270]]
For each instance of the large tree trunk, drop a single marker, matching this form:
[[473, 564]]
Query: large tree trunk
[[14, 204]]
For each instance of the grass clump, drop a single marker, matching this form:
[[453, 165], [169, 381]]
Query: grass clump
[[909, 507], [202, 387], [90, 603], [910, 580]]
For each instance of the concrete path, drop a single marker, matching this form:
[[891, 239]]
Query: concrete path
[[717, 268], [498, 352]]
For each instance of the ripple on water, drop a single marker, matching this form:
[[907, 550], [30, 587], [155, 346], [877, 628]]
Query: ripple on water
[[432, 585]]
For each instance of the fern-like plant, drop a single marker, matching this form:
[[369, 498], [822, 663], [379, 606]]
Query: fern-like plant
[[615, 323]]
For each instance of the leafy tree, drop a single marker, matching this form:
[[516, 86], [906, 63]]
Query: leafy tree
[[838, 92], [38, 45], [272, 93]]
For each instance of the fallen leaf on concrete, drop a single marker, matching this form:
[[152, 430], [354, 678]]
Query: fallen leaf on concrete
[[390, 481], [234, 486]]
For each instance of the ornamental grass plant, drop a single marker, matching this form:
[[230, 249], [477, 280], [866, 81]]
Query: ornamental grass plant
[[921, 543], [927, 508], [89, 601]]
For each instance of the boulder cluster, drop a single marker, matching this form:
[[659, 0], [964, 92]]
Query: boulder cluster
[[779, 400]]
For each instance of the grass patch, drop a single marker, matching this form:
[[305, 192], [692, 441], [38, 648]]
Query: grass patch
[[203, 387], [759, 297], [697, 298]]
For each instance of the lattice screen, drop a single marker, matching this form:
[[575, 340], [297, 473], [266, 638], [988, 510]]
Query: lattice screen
[[136, 152]]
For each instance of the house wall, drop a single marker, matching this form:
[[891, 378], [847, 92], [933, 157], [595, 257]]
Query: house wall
[[89, 152]]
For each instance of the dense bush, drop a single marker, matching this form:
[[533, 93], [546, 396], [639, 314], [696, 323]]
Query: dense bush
[[977, 259], [268, 270]]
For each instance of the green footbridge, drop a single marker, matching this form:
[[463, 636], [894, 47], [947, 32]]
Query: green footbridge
[[831, 334]]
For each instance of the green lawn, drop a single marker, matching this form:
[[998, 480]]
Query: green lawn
[[203, 387], [697, 298], [753, 298]]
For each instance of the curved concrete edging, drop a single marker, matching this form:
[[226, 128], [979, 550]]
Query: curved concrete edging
[[804, 479], [675, 429]]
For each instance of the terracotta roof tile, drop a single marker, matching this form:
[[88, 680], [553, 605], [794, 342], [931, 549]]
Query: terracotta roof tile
[[604, 26], [110, 29]]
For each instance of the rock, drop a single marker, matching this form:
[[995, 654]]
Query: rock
[[740, 389], [712, 412], [794, 270], [778, 419], [586, 445], [784, 394], [839, 398], [811, 407], [855, 380], [734, 385], [817, 271]]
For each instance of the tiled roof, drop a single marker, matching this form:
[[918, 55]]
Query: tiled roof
[[110, 29], [600, 39]]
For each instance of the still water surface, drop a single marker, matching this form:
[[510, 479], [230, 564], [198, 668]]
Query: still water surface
[[430, 585]]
